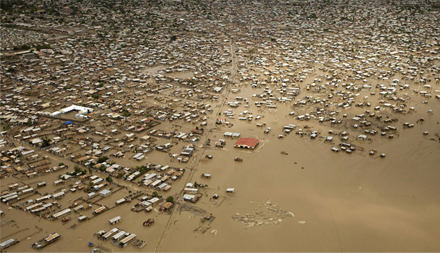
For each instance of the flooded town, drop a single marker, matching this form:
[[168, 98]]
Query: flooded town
[[189, 125]]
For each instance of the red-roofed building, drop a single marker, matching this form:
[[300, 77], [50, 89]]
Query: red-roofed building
[[221, 120], [148, 120], [197, 131], [247, 143]]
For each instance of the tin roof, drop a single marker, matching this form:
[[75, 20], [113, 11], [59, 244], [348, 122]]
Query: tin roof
[[247, 142]]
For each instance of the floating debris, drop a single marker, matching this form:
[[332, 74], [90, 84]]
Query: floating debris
[[270, 215]]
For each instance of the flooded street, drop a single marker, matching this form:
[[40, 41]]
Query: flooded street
[[220, 126]]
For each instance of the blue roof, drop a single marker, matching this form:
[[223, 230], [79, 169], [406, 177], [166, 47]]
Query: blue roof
[[68, 122]]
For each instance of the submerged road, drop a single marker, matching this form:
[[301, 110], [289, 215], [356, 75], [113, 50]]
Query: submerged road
[[207, 135]]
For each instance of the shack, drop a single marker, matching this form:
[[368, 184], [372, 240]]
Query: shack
[[58, 182], [46, 241], [109, 233], [126, 240], [230, 190], [99, 210], [166, 207], [7, 244], [58, 195], [190, 198], [120, 201], [118, 236], [61, 213], [115, 220], [105, 193]]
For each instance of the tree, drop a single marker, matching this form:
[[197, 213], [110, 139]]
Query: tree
[[125, 113], [102, 159], [77, 169], [42, 46], [6, 127], [170, 199], [156, 195], [196, 185], [109, 179], [45, 143]]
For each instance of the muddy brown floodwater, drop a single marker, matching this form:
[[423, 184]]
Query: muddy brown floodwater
[[311, 199]]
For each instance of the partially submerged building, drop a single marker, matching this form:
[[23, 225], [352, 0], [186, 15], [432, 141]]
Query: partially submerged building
[[246, 143]]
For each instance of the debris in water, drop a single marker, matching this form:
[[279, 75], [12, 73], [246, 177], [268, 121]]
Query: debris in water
[[260, 218]]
